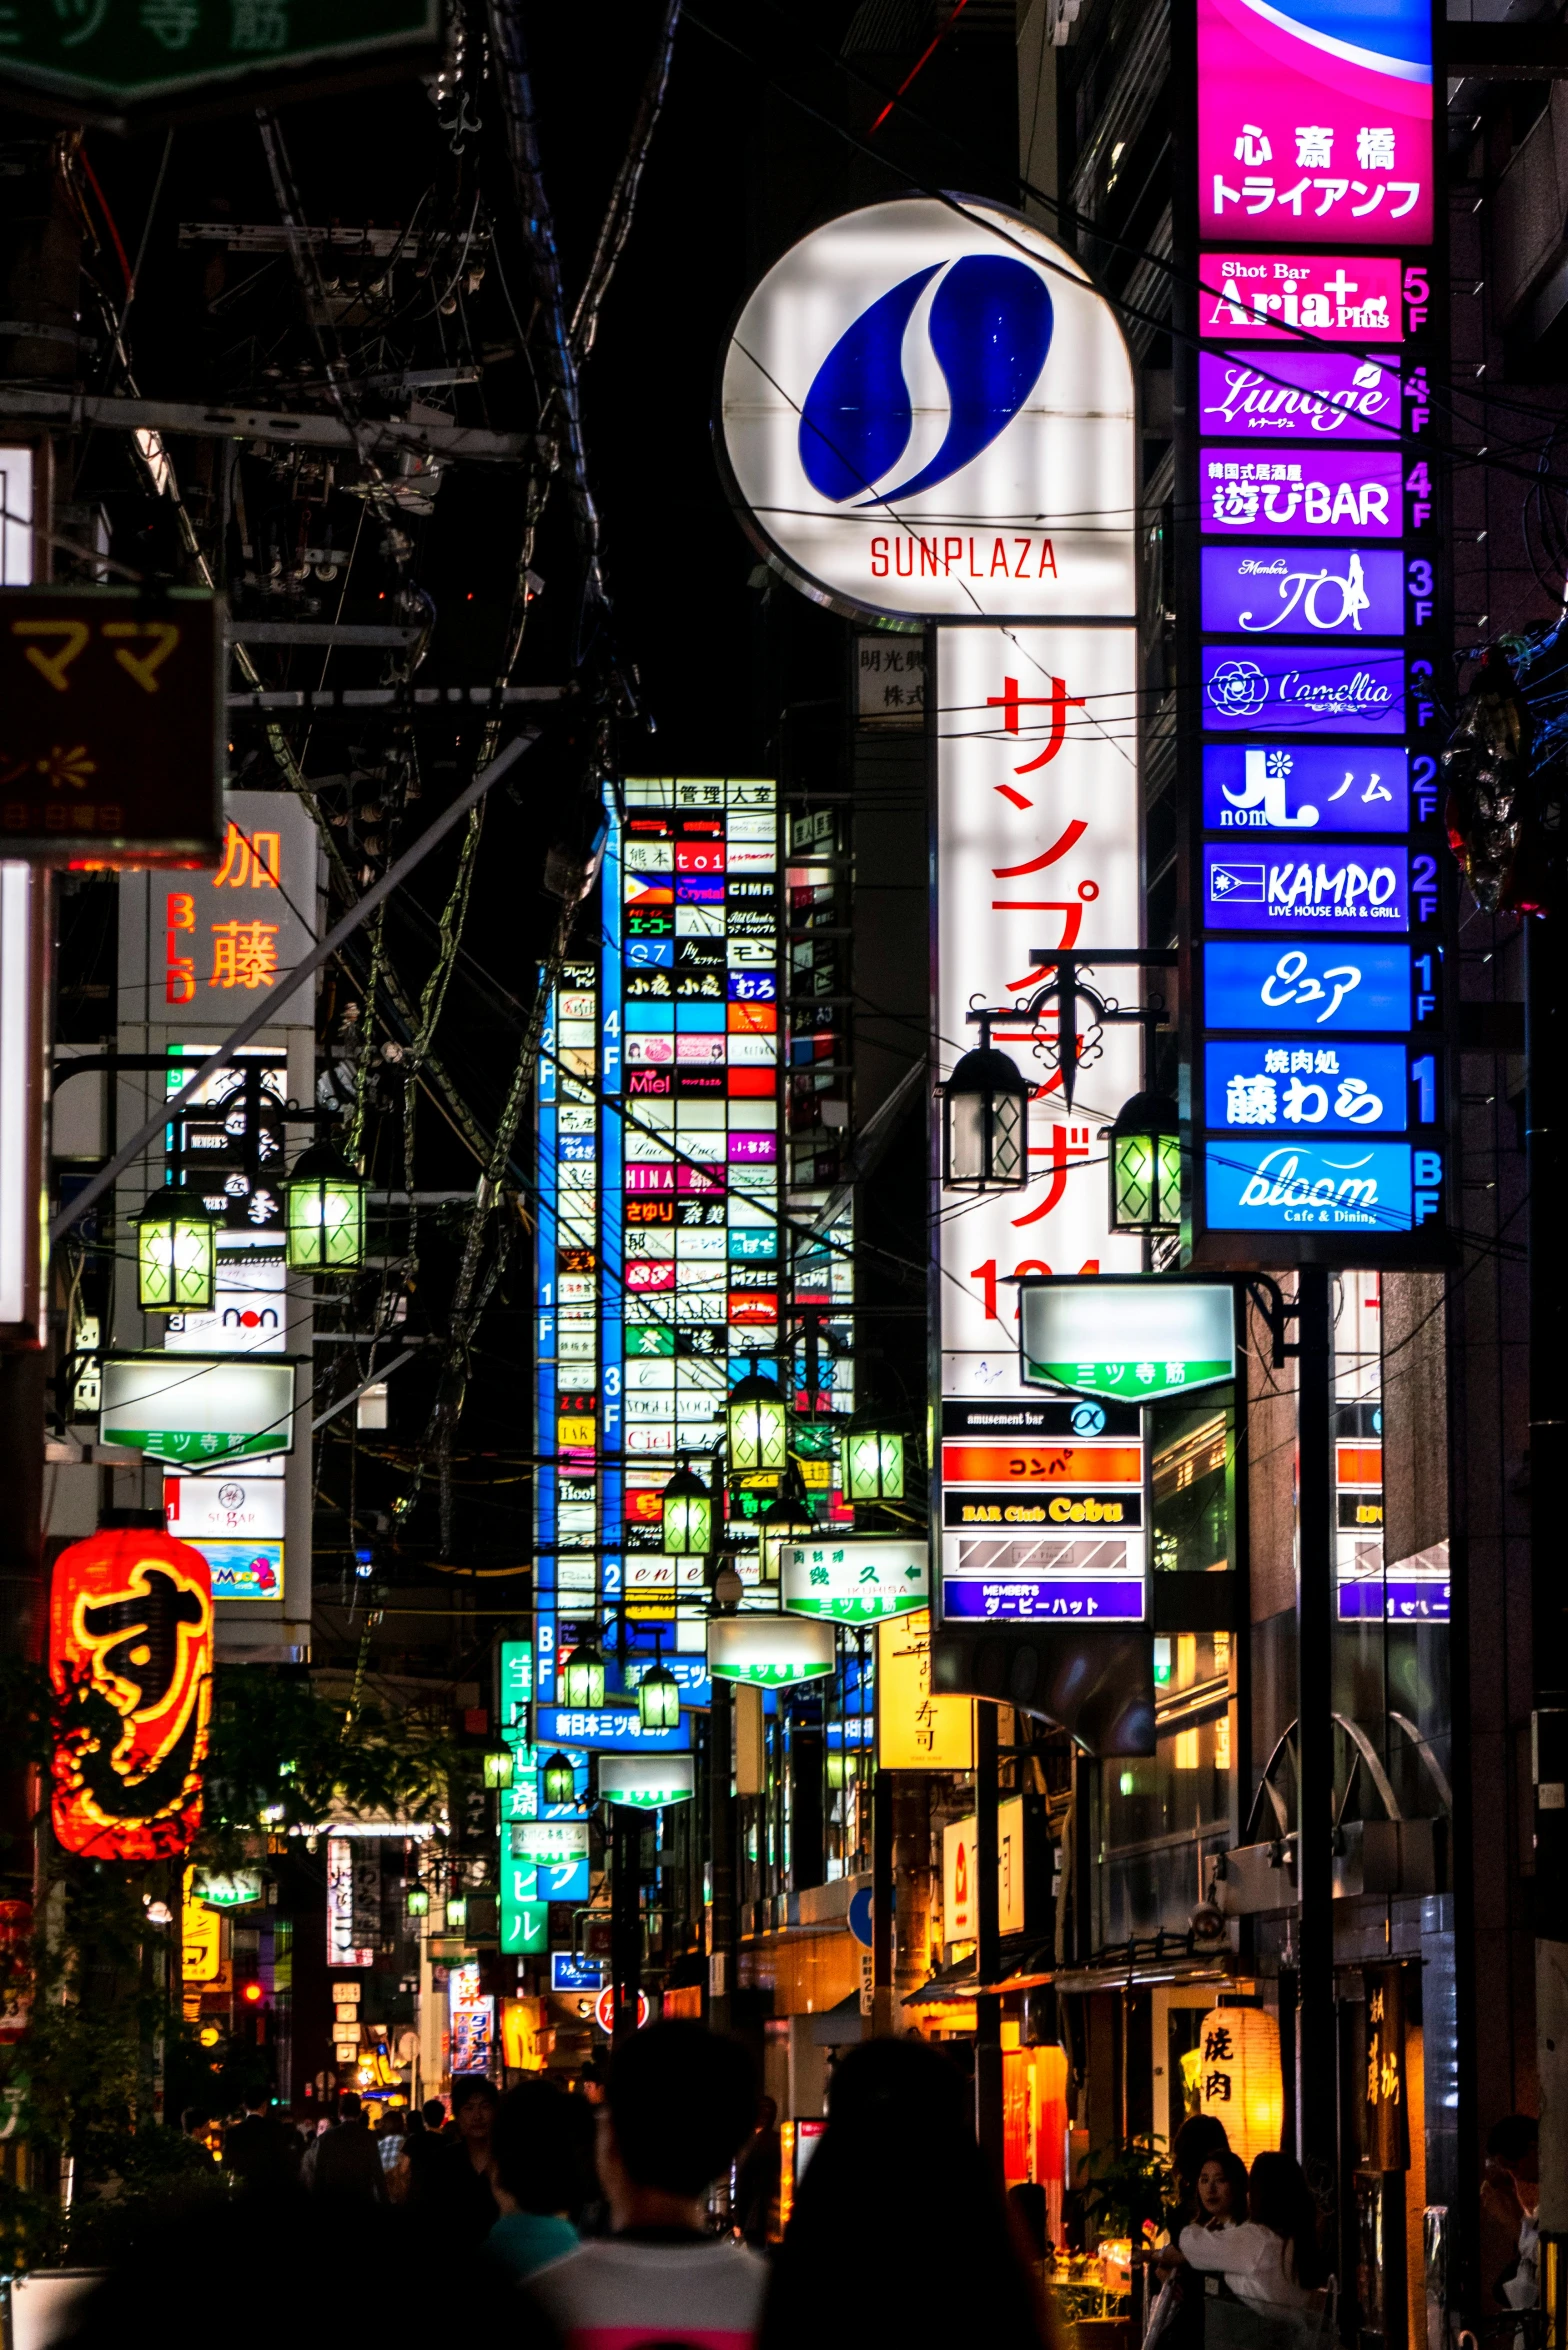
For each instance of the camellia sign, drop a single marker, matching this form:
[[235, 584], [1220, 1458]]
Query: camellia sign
[[1138, 1340], [854, 1582]]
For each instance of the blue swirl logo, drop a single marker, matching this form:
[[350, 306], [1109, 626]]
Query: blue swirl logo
[[990, 327]]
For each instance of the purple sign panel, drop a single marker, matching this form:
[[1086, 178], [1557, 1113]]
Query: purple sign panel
[[1297, 591], [1270, 297], [1395, 1601], [1298, 396], [1302, 690], [1318, 891], [1307, 493], [1264, 787], [1315, 120], [1056, 1600]]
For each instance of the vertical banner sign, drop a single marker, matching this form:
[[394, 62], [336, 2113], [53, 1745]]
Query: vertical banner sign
[[928, 415], [698, 863], [1316, 1006]]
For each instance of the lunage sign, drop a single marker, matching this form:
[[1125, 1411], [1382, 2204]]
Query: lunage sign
[[130, 1655]]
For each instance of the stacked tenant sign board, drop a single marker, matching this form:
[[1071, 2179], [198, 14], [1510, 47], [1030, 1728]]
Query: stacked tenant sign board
[[928, 420], [1313, 612]]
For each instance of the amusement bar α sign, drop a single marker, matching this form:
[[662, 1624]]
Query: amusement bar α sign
[[1313, 604], [1139, 1339]]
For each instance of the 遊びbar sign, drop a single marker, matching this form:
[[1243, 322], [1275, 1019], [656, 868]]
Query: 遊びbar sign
[[110, 702]]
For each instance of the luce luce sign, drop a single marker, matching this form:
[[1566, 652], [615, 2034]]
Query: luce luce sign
[[110, 751]]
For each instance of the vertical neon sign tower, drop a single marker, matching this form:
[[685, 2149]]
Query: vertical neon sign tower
[[1313, 609], [928, 416]]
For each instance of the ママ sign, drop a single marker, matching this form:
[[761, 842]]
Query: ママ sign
[[110, 723]]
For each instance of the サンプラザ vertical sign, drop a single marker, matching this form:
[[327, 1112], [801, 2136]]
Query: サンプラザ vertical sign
[[928, 416]]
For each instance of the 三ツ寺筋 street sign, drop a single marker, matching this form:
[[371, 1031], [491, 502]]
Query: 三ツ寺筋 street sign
[[1138, 1338]]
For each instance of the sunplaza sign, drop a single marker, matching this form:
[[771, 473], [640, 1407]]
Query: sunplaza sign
[[1310, 591], [927, 412], [928, 416]]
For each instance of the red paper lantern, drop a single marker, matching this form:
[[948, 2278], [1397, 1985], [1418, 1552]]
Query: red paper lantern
[[130, 1654]]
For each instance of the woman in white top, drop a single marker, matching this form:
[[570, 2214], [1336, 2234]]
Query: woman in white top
[[1270, 2260]]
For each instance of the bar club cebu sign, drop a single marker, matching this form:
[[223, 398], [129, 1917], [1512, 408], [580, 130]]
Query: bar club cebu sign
[[927, 416]]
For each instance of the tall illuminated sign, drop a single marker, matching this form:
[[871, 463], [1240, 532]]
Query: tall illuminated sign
[[1311, 603], [658, 1139], [928, 416]]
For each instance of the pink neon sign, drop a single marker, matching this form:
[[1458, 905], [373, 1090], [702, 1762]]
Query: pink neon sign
[[1305, 134], [1280, 297]]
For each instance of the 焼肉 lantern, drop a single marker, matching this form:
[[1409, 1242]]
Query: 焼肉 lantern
[[130, 1653], [1239, 2078]]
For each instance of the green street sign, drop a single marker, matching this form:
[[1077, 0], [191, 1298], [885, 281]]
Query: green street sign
[[107, 57], [1138, 1337], [525, 1922]]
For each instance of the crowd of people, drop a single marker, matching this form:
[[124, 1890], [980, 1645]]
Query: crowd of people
[[590, 2226]]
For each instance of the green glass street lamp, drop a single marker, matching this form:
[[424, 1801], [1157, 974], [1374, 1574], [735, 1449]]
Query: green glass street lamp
[[176, 1253], [985, 1121], [688, 1517], [871, 1463], [457, 1910], [787, 1518], [326, 1212], [558, 1779], [757, 1424], [416, 1902], [582, 1678], [1145, 1165], [499, 1767], [659, 1699]]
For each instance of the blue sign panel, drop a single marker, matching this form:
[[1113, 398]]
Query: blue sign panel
[[1322, 889], [608, 1730], [1296, 788], [565, 1880], [1311, 592], [1303, 690], [1363, 989], [1326, 1088], [1054, 1599], [568, 1972], [1395, 1601], [1349, 1186]]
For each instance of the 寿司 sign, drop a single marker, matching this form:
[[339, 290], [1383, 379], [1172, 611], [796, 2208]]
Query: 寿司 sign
[[914, 400]]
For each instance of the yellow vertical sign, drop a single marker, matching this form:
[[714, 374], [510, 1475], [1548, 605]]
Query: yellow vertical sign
[[201, 1938], [916, 1730]]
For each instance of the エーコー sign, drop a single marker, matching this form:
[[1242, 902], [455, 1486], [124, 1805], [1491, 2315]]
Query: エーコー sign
[[927, 412]]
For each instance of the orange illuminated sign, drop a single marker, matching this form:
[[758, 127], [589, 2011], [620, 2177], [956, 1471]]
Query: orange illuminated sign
[[130, 1653], [1360, 1464], [1057, 1464]]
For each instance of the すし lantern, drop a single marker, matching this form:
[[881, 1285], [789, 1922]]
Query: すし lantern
[[130, 1653], [1239, 2078]]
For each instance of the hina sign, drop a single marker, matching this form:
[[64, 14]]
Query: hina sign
[[1313, 634], [130, 1656]]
